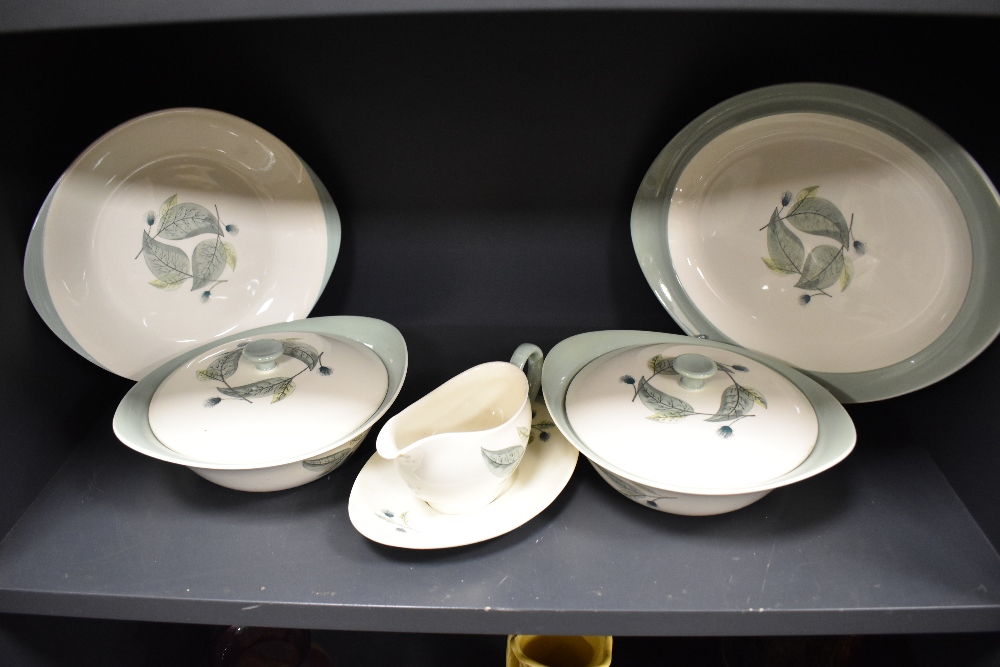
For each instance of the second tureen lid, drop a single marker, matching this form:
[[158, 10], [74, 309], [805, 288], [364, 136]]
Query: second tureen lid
[[692, 416], [246, 401]]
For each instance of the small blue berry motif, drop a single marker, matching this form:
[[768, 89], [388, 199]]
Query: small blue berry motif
[[400, 521], [170, 265], [737, 399], [279, 388], [825, 264]]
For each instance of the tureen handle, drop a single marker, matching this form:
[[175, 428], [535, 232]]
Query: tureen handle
[[528, 358], [694, 370], [263, 353]]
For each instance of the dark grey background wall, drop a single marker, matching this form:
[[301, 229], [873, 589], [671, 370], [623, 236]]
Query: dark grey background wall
[[484, 166]]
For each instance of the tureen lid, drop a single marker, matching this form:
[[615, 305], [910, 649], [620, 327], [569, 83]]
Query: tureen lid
[[692, 416], [247, 400]]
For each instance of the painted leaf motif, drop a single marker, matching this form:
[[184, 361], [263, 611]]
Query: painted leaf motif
[[169, 282], [524, 434], [307, 354], [254, 389], [757, 396], [736, 402], [822, 268], [771, 264], [848, 274], [328, 463], [207, 262], [164, 260], [785, 248], [804, 193], [166, 205], [667, 416], [182, 221], [283, 390], [543, 426], [223, 366], [666, 407], [662, 365], [815, 215], [502, 462], [625, 487], [230, 255]]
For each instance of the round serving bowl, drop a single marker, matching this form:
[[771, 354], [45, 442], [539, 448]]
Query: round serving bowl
[[834, 440], [282, 471]]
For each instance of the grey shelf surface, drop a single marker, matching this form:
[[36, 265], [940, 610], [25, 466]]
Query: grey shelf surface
[[29, 15], [880, 544]]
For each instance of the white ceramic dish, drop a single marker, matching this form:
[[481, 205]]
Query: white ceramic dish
[[646, 483], [830, 228], [383, 508], [746, 424], [282, 470], [173, 230], [457, 448], [220, 407]]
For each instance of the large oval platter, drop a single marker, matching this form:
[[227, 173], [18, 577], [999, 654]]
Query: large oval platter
[[173, 230], [827, 227]]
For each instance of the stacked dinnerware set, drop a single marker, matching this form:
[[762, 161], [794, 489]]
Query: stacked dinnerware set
[[819, 245]]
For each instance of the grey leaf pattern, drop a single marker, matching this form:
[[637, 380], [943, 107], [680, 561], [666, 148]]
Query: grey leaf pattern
[[223, 366], [785, 249], [165, 261], [736, 402], [254, 389], [822, 268], [182, 221], [814, 215], [329, 463], [502, 462], [208, 261], [670, 408], [307, 354]]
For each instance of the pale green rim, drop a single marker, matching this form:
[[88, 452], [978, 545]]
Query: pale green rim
[[34, 256], [131, 420], [977, 322], [835, 440]]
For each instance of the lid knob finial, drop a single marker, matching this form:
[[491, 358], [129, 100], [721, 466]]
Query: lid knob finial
[[694, 370], [263, 353]]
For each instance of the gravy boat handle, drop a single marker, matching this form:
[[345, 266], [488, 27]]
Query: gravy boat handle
[[528, 358]]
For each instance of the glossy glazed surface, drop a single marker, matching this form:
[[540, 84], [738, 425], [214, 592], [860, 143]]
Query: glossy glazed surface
[[835, 439], [219, 407], [458, 446], [131, 421], [877, 304], [176, 229], [746, 425], [829, 227], [384, 509]]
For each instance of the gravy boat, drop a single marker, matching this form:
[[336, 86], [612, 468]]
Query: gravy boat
[[457, 447]]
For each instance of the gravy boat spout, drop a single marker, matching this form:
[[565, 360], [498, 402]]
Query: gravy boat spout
[[457, 447]]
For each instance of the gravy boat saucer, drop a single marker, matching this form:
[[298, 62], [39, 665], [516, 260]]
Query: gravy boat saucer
[[384, 509]]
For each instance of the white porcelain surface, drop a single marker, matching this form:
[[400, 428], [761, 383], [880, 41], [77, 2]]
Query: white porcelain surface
[[287, 476], [677, 502], [131, 420], [219, 407], [746, 425], [900, 295], [834, 441], [176, 229], [458, 446], [384, 509]]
